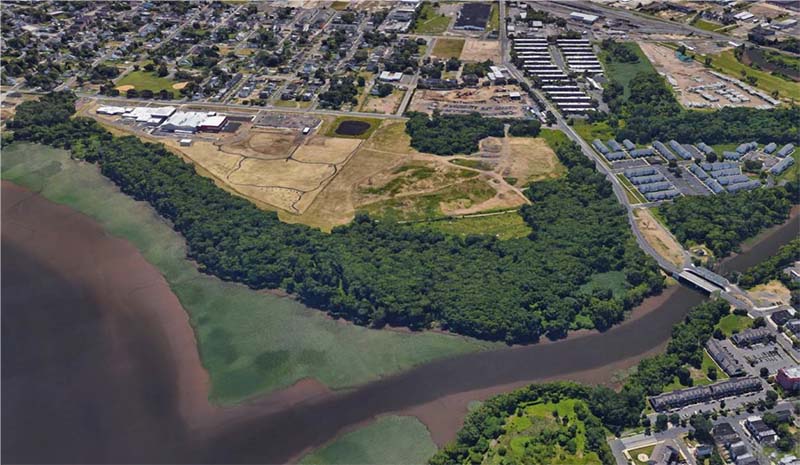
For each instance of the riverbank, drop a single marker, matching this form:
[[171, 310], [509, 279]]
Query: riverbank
[[296, 419]]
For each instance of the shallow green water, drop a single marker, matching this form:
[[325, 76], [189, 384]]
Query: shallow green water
[[250, 342]]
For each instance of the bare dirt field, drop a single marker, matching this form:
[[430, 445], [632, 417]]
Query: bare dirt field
[[693, 74], [529, 159], [481, 50], [489, 101], [384, 105], [771, 293], [658, 237], [321, 149], [125, 88]]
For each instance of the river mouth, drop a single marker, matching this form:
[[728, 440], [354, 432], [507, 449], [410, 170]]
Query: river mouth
[[126, 374]]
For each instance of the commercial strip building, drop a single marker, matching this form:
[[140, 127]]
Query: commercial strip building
[[168, 119]]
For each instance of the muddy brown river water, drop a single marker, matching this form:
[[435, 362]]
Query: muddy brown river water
[[99, 362]]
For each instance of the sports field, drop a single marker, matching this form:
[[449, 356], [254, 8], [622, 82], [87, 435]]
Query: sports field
[[250, 342], [145, 80]]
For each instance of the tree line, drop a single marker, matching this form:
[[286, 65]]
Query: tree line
[[377, 273], [451, 134], [651, 112], [722, 222], [612, 410]]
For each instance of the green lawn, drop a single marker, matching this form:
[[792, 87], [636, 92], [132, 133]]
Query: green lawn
[[624, 72], [727, 63], [613, 280], [731, 323], [642, 450], [373, 125], [591, 131], [448, 48], [494, 18], [389, 440], [553, 137], [250, 342], [472, 163], [705, 25], [430, 21], [793, 173], [630, 190], [144, 80], [504, 226]]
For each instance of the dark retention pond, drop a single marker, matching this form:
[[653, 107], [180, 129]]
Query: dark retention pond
[[351, 127]]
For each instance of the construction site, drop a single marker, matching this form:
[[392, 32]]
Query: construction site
[[506, 101]]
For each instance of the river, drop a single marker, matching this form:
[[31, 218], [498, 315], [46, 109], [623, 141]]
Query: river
[[86, 381]]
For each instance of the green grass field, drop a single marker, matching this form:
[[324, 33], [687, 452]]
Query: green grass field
[[144, 80], [624, 72], [591, 131], [448, 48], [250, 342], [553, 137], [731, 323], [472, 163], [706, 25], [699, 376], [793, 173], [429, 206], [531, 422], [630, 190], [613, 280], [504, 226], [727, 63], [647, 450], [430, 21], [389, 440], [374, 123], [494, 18]]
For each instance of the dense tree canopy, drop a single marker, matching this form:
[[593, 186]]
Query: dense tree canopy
[[614, 410], [377, 273], [651, 112], [450, 134], [721, 222]]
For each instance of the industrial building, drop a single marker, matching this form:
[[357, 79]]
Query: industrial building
[[473, 17], [583, 17], [193, 121]]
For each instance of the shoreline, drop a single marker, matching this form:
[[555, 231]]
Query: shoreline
[[436, 392]]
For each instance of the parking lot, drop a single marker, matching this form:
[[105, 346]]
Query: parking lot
[[687, 184]]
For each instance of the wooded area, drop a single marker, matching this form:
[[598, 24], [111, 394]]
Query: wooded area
[[377, 273], [722, 222], [613, 410], [652, 112]]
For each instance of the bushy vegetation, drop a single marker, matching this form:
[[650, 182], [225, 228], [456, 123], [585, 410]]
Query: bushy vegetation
[[607, 409], [525, 128], [721, 222], [450, 134], [377, 273], [771, 268], [651, 112], [619, 52]]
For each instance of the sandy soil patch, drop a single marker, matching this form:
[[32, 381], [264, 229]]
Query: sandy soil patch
[[288, 174], [771, 293], [692, 74], [269, 144], [481, 50], [529, 159], [180, 85], [384, 105], [125, 88], [658, 238], [322, 149]]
